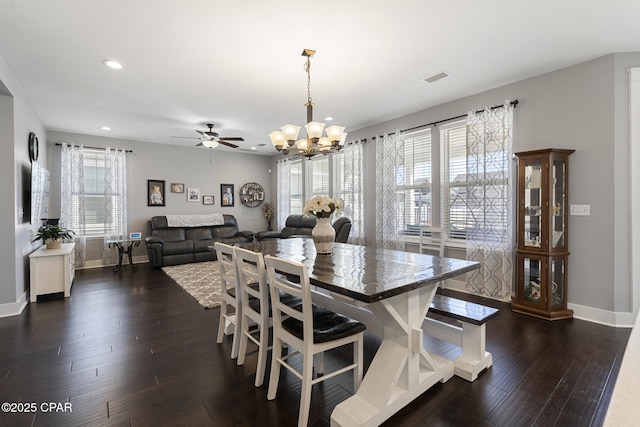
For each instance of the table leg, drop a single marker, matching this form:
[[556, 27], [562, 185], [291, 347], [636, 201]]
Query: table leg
[[132, 244], [401, 369], [120, 253]]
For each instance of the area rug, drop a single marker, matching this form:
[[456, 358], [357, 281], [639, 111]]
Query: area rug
[[201, 280]]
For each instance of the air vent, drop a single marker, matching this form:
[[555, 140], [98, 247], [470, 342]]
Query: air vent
[[434, 78]]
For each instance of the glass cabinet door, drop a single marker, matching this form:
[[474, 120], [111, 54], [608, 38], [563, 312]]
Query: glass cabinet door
[[532, 268], [557, 282], [558, 200], [532, 209]]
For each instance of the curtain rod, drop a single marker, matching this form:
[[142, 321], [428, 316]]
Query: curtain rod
[[96, 148], [514, 103]]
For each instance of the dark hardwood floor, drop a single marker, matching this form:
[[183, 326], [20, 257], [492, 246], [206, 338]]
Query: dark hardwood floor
[[134, 349]]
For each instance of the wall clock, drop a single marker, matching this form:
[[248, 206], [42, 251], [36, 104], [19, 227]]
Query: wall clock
[[33, 146]]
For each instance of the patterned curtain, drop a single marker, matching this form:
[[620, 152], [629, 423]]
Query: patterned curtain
[[489, 200], [283, 193], [72, 198], [351, 188], [389, 155], [115, 202]]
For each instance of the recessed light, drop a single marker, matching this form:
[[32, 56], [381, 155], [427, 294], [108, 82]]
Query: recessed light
[[434, 78], [112, 63], [253, 148], [328, 118], [105, 128]]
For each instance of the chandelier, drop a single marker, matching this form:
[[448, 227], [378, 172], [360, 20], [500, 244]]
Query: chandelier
[[286, 140]]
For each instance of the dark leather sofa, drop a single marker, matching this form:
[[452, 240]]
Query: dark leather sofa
[[180, 245], [301, 226]]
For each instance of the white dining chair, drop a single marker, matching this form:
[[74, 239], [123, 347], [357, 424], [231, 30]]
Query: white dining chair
[[256, 307], [308, 329], [432, 240], [231, 306]]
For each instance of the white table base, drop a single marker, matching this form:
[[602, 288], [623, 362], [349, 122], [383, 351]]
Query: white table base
[[401, 369]]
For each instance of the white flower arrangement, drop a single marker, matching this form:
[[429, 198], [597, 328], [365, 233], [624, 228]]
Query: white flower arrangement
[[322, 207]]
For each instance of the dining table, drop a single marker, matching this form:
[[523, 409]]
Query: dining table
[[397, 288]]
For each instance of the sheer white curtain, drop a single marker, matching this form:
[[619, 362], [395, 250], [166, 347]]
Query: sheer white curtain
[[349, 181], [115, 201], [489, 199], [389, 156], [72, 200], [284, 193]]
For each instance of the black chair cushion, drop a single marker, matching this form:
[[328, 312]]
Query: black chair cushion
[[232, 291], [289, 300], [327, 326]]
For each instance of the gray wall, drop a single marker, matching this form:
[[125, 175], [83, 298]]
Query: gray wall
[[17, 119], [202, 168], [584, 107]]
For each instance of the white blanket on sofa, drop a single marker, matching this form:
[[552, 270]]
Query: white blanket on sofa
[[195, 220]]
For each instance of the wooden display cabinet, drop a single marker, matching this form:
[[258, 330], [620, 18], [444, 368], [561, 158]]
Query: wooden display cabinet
[[542, 240]]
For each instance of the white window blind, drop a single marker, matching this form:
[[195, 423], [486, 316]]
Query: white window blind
[[413, 182], [93, 191], [297, 196], [317, 177], [453, 139]]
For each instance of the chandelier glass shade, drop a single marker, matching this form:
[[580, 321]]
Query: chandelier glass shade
[[286, 139]]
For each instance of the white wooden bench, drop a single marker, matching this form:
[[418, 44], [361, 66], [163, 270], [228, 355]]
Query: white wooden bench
[[469, 334]]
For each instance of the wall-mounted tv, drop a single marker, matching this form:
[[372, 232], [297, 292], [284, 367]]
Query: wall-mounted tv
[[39, 193]]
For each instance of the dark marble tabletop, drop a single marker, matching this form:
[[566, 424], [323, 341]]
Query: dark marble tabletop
[[364, 273]]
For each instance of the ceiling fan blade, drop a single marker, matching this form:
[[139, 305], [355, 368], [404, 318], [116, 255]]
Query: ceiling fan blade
[[199, 144], [204, 134], [233, 138], [228, 144]]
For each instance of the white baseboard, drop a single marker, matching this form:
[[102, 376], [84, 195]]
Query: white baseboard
[[14, 308], [603, 317], [97, 263], [590, 314]]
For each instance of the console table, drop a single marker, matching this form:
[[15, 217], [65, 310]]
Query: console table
[[52, 270]]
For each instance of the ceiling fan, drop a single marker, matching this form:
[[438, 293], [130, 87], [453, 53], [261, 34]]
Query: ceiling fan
[[211, 139]]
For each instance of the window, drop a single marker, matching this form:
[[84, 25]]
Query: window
[[316, 177], [413, 182], [453, 140], [92, 191], [296, 195]]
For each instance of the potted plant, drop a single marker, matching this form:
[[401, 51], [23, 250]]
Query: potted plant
[[53, 235]]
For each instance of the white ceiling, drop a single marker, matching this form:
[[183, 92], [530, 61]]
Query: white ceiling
[[237, 63]]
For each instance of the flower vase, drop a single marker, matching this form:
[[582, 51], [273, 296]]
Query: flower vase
[[323, 236]]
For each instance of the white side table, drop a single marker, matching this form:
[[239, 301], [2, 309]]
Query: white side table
[[52, 270]]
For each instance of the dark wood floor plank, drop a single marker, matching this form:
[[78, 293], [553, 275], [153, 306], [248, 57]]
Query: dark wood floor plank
[[134, 349]]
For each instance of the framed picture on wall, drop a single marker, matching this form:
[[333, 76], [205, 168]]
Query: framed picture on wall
[[193, 194], [177, 188], [226, 194], [155, 192], [208, 200]]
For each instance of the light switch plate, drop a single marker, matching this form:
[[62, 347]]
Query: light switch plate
[[580, 210]]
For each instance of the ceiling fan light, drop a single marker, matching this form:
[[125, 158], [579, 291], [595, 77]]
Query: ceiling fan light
[[314, 129], [209, 143], [290, 132], [334, 133]]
